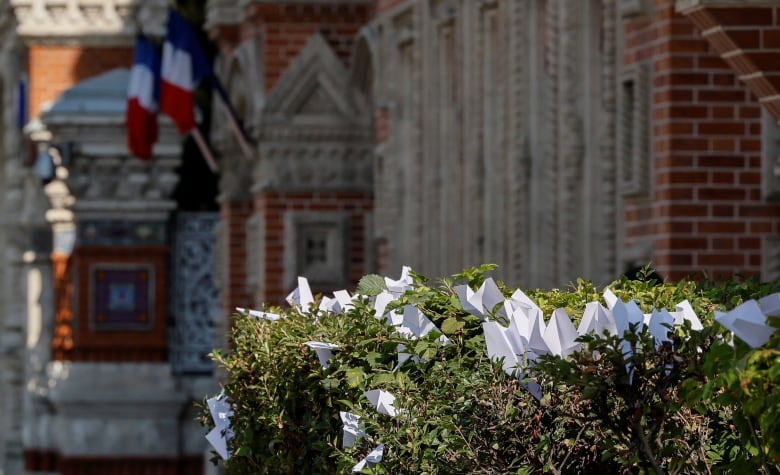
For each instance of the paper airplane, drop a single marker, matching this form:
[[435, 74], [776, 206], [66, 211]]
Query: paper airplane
[[465, 294], [560, 335], [220, 413], [397, 287], [520, 299], [403, 356], [596, 319], [395, 319], [380, 303], [301, 298], [748, 323], [685, 310], [219, 442], [344, 300], [417, 323], [487, 296], [610, 298], [323, 351], [351, 430], [258, 314], [220, 410], [770, 305], [502, 343], [383, 402], [373, 458], [659, 326], [499, 346], [537, 346]]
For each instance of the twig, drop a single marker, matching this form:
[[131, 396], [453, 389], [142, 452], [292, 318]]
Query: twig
[[646, 448]]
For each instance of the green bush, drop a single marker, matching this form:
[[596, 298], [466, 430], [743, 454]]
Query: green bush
[[696, 405]]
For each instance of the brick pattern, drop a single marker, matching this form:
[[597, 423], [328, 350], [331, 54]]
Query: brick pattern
[[234, 216], [272, 206], [382, 125], [748, 40], [55, 68], [37, 460], [62, 337], [285, 29], [706, 213]]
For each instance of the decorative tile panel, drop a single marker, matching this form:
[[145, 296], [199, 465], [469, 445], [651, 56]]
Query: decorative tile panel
[[122, 297]]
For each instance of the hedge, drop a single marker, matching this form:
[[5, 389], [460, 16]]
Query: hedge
[[694, 401]]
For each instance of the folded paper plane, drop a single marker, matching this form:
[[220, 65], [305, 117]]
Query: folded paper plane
[[397, 287], [323, 351], [219, 436], [685, 311], [352, 431], [418, 324], [373, 458], [383, 402], [770, 305], [380, 304], [748, 323], [560, 335], [659, 326], [301, 298], [258, 314]]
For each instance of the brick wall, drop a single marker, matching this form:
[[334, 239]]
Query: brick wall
[[748, 40], [704, 212], [286, 28], [55, 68], [49, 461], [233, 217], [273, 206]]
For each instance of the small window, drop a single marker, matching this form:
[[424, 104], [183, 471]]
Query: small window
[[634, 131], [316, 248]]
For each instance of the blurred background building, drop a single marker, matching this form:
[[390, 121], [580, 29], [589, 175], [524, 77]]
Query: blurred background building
[[556, 138]]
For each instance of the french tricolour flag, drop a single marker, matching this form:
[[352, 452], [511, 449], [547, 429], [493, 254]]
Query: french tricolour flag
[[142, 99], [184, 64]]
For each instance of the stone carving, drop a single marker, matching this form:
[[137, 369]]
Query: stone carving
[[195, 298], [770, 259], [223, 12], [122, 184], [311, 136], [81, 20], [328, 167]]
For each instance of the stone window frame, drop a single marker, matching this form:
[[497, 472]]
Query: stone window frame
[[633, 8], [770, 156], [332, 273], [634, 131]]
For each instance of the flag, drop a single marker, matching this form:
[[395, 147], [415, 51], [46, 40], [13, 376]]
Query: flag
[[184, 65], [142, 99], [21, 104]]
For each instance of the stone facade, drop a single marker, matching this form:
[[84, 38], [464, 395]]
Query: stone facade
[[556, 138]]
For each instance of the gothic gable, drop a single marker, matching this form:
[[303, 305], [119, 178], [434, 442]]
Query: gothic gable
[[313, 89]]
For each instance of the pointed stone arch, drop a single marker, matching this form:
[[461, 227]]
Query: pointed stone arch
[[315, 87]]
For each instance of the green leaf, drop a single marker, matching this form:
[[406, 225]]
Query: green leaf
[[355, 376], [371, 285], [451, 325]]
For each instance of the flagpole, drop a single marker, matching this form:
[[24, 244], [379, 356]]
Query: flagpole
[[204, 149], [237, 131], [228, 110]]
